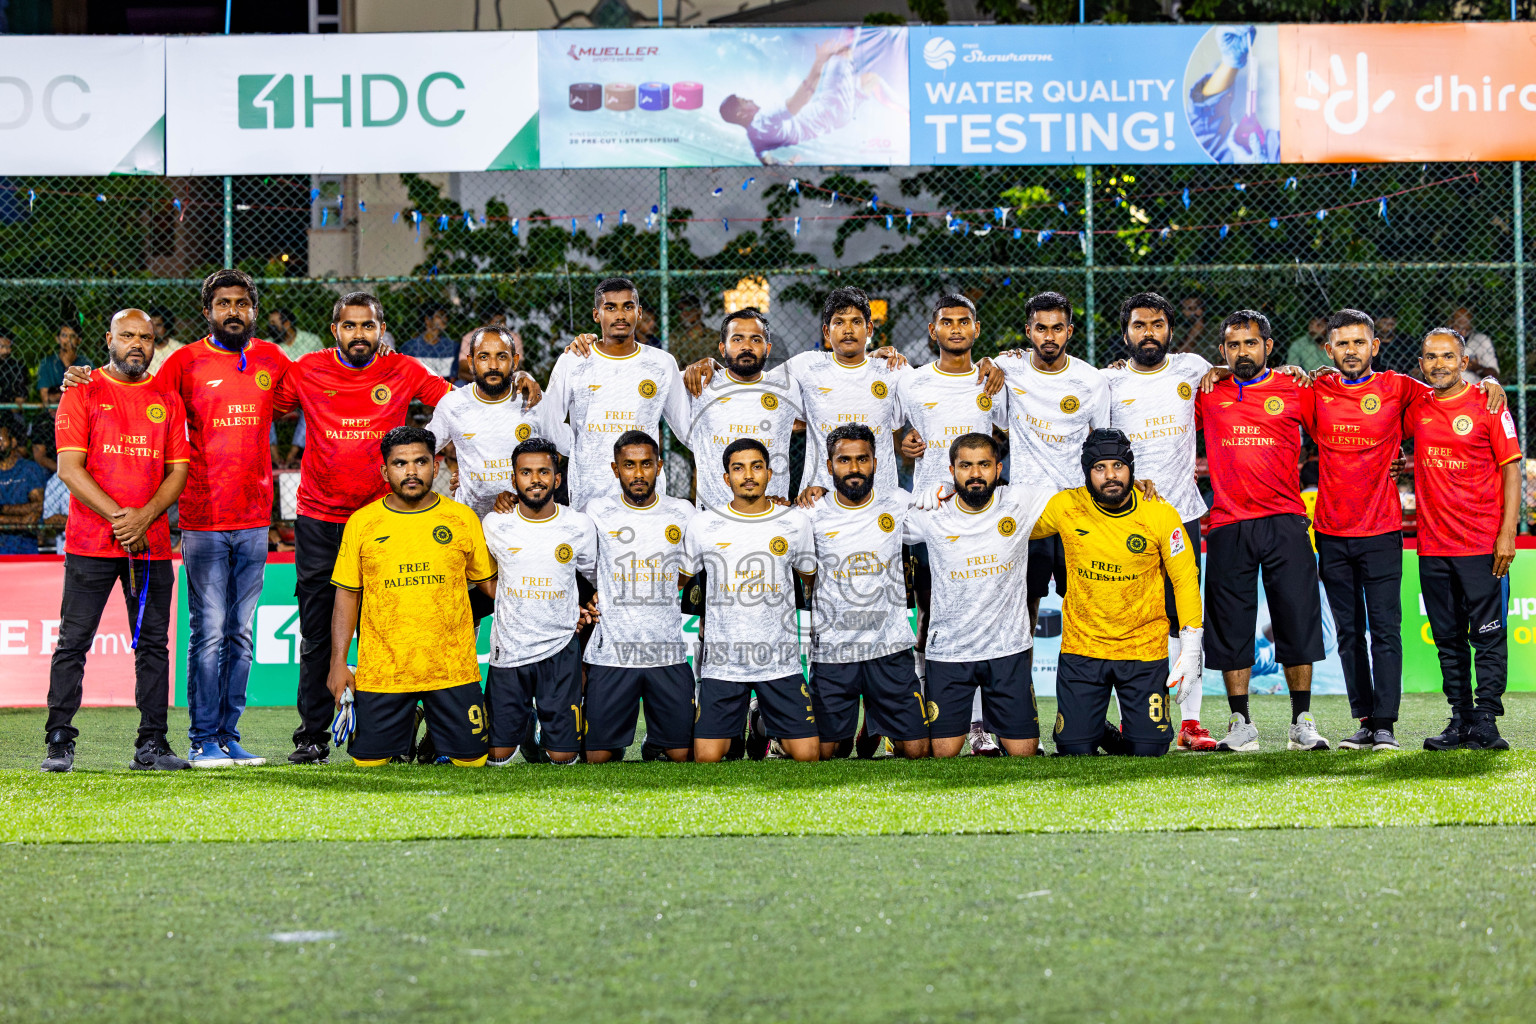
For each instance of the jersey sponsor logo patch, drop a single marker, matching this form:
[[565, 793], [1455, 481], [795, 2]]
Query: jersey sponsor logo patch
[[878, 389], [442, 534], [380, 394], [778, 546], [1369, 404], [264, 380], [524, 432], [1185, 391], [647, 389], [674, 533], [1136, 543], [887, 522], [770, 402], [1006, 526], [564, 553], [1462, 424], [1509, 424], [1070, 404], [984, 403], [1176, 541], [156, 413], [1274, 406]]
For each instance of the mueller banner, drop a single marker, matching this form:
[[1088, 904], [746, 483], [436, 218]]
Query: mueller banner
[[1408, 92], [1095, 94], [723, 97], [70, 105], [345, 103]]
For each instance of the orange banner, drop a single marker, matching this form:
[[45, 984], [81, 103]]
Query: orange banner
[[1407, 92]]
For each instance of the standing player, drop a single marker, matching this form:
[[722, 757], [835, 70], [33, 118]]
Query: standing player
[[861, 640], [1467, 480], [978, 633], [400, 578], [535, 657], [1152, 400], [123, 456], [745, 401], [750, 552], [637, 650], [610, 385], [1252, 422], [1119, 547]]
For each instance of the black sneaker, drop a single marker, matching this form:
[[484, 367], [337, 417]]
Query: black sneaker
[[156, 756], [1483, 733], [652, 751], [1363, 739], [1454, 736], [310, 753], [1384, 740], [61, 753], [757, 734], [1112, 741], [867, 744], [426, 749]]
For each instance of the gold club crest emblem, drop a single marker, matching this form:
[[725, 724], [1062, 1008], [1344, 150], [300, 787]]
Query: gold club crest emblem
[[156, 413], [564, 554], [442, 534], [1006, 526], [878, 389], [887, 522], [778, 545], [647, 389], [1462, 424], [1136, 543], [380, 394], [674, 534], [1185, 391], [1274, 406], [1070, 404], [524, 431], [264, 380], [1369, 404], [984, 403], [770, 402]]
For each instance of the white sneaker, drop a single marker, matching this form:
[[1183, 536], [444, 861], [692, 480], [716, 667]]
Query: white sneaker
[[982, 743], [1304, 734], [1242, 736]]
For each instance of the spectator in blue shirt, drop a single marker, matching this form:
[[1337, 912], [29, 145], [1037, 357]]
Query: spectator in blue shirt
[[50, 372], [21, 493], [436, 351]]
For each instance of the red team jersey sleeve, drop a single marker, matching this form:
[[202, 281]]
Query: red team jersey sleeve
[[1252, 446], [1459, 451]]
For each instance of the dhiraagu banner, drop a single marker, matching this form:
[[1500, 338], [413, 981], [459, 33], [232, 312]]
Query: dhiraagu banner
[[352, 103]]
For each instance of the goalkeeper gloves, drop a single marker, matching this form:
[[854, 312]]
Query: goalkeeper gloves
[[1191, 665], [345, 720], [933, 499]]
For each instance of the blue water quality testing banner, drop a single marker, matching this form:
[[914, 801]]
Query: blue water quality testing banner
[[1070, 94]]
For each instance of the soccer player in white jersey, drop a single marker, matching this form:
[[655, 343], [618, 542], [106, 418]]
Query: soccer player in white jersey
[[861, 639], [750, 552], [637, 650], [535, 659], [744, 401], [610, 386], [1152, 399], [978, 633]]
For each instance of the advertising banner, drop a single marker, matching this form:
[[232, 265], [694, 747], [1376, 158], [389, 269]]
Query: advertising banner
[[72, 105], [1061, 95], [344, 103], [1407, 92], [723, 97]]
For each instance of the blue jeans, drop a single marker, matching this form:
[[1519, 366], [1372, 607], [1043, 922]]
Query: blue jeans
[[224, 575]]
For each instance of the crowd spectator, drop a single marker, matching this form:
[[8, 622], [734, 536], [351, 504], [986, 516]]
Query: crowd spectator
[[1399, 353], [1192, 330], [50, 373], [1307, 349], [1482, 360], [22, 482], [285, 332], [432, 347], [15, 381], [164, 324], [491, 317]]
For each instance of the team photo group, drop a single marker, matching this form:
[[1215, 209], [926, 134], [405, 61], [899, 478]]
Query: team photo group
[[903, 577]]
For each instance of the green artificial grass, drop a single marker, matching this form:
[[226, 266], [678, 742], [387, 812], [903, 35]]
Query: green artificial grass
[[1271, 789], [1346, 925]]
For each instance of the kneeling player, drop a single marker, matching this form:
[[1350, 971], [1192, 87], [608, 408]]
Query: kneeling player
[[978, 633], [400, 579], [750, 552], [1114, 626], [861, 638], [637, 651], [539, 548]]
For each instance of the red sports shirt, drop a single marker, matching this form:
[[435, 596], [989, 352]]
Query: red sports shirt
[[1359, 431], [348, 410], [1252, 446], [1458, 449], [229, 418], [129, 433]]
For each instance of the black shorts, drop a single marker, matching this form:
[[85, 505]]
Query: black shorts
[[1234, 556], [785, 703], [893, 698], [1047, 561], [1170, 606], [1007, 696], [612, 705], [386, 722], [1082, 698], [553, 686]]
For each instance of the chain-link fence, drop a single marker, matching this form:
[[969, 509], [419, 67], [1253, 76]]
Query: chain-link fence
[[1418, 245]]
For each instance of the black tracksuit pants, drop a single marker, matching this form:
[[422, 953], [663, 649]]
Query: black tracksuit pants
[[1466, 605], [1363, 577], [315, 544]]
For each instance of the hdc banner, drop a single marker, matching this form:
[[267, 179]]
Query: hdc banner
[[346, 103], [82, 106]]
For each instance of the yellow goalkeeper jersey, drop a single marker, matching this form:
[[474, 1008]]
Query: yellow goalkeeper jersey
[[1115, 563]]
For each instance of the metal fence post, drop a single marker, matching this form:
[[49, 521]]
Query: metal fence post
[[229, 221], [1520, 375], [661, 205], [1088, 303]]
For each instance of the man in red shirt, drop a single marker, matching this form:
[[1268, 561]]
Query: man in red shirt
[[1466, 477], [123, 456], [1252, 422], [1358, 519]]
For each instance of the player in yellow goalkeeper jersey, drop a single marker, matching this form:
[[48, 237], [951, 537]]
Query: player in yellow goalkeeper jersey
[[1114, 624]]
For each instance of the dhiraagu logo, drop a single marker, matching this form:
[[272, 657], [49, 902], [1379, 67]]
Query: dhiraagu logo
[[379, 100]]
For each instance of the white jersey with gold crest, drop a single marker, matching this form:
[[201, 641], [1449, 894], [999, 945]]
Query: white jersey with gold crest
[[639, 555], [1156, 409], [1050, 416], [765, 410], [537, 561], [603, 396], [941, 407], [835, 395], [859, 610], [483, 433]]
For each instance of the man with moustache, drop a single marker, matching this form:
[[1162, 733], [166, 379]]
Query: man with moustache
[[1119, 547], [637, 650], [123, 456]]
